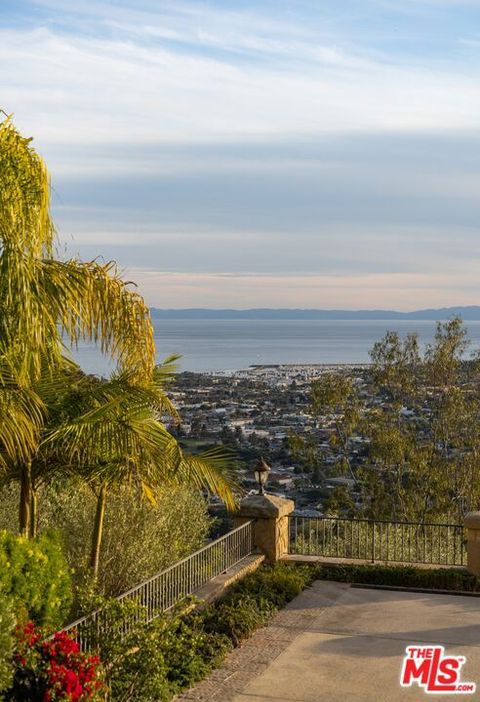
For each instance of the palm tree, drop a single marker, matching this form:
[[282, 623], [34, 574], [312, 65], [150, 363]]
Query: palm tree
[[120, 440], [116, 436], [42, 296], [45, 300], [22, 414], [52, 395]]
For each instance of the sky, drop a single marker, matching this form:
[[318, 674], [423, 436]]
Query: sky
[[259, 154]]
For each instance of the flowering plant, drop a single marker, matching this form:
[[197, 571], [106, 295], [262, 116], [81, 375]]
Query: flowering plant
[[53, 669]]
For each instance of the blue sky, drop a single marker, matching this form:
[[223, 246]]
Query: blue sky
[[282, 154]]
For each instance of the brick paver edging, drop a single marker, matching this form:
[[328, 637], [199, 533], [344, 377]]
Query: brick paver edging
[[255, 654]]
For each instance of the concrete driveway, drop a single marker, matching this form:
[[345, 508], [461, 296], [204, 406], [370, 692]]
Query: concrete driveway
[[353, 649]]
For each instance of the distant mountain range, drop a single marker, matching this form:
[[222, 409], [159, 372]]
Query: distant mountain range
[[471, 313]]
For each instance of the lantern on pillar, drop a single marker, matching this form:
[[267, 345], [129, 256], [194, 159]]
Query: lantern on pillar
[[261, 471]]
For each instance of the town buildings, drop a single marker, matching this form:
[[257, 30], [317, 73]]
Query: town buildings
[[266, 410]]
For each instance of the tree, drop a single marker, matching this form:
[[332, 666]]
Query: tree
[[110, 430], [418, 418], [426, 436], [396, 367], [304, 451], [335, 401], [43, 296], [45, 301], [113, 436], [339, 503]]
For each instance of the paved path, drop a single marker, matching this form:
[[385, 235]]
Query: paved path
[[335, 643]]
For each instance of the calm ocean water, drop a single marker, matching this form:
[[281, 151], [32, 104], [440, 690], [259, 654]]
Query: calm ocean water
[[232, 345]]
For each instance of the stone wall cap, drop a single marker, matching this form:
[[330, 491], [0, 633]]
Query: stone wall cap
[[265, 506], [472, 520]]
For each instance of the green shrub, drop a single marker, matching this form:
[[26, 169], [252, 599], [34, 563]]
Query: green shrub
[[253, 600], [7, 627], [34, 574], [238, 617], [141, 675], [276, 585], [139, 539], [133, 663], [402, 576], [172, 653], [158, 660], [190, 651]]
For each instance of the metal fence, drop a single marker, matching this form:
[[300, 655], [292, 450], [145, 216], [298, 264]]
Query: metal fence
[[365, 539], [164, 590]]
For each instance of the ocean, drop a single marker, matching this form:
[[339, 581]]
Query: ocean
[[227, 345]]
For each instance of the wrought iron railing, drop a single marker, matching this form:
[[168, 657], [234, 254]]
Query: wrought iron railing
[[371, 540], [164, 590]]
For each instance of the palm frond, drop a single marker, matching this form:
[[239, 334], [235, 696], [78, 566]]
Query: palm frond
[[212, 470], [147, 394], [121, 440], [89, 300], [166, 370], [22, 412]]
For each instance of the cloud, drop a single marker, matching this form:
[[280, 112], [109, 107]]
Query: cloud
[[87, 89], [375, 291], [270, 141], [292, 187], [353, 207]]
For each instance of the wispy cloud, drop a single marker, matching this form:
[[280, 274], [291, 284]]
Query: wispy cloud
[[151, 77], [273, 141]]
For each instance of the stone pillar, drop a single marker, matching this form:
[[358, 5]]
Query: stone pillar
[[472, 525], [271, 523]]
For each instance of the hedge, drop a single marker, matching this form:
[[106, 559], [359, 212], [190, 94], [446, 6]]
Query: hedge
[[454, 579]]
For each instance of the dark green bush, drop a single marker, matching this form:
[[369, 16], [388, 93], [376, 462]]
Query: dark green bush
[[133, 663], [238, 617], [253, 600], [139, 674], [401, 576], [276, 585], [35, 576], [165, 536], [190, 651]]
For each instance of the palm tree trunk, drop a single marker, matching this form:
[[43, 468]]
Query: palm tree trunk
[[33, 513], [98, 530], [25, 499]]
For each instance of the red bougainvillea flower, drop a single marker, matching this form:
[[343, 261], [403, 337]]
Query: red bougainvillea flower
[[60, 669]]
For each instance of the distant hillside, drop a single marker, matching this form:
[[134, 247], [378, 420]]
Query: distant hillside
[[471, 313]]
